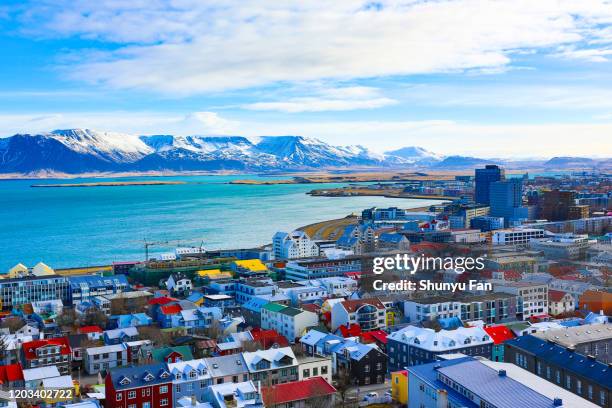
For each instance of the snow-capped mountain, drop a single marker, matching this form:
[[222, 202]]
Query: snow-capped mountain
[[415, 155]]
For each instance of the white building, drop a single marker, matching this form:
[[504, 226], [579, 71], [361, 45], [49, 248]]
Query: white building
[[296, 244], [531, 297], [288, 321], [315, 366], [370, 314], [178, 283], [103, 358], [516, 236]]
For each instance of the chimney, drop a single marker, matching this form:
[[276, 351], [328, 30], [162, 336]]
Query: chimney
[[557, 402], [501, 373], [570, 349], [442, 399], [591, 357]]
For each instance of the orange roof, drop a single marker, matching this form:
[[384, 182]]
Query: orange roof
[[297, 391]]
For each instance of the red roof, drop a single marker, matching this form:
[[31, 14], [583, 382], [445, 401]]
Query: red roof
[[30, 347], [11, 372], [353, 330], [374, 335], [297, 391], [499, 334], [162, 300], [352, 306], [171, 309], [555, 295], [311, 307], [90, 329], [268, 338]]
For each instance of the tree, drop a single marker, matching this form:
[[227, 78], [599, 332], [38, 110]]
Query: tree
[[67, 320], [298, 350], [4, 352], [154, 334], [214, 331], [13, 323], [343, 383], [93, 317]]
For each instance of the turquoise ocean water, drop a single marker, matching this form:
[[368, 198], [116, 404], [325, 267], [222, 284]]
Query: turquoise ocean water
[[66, 227]]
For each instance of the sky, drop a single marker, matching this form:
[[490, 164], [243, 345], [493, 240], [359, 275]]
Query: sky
[[528, 79]]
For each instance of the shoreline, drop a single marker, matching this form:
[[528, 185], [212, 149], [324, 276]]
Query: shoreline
[[110, 184]]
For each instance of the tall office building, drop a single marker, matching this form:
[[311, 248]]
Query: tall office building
[[506, 200], [484, 177], [555, 204]]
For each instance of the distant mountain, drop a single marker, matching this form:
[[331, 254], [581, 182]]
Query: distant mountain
[[415, 155], [463, 162], [561, 162]]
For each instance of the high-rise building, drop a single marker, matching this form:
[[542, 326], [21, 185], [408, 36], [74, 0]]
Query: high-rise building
[[555, 204], [506, 200], [484, 177]]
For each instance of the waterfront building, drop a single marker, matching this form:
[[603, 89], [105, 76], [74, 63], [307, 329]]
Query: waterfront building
[[20, 291], [483, 179], [296, 244], [565, 367], [416, 345], [322, 268], [84, 288]]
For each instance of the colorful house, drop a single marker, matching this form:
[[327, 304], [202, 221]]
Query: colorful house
[[500, 334], [171, 354], [399, 386], [249, 267]]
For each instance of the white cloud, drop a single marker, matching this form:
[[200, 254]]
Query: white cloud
[[190, 46], [328, 99], [441, 136]]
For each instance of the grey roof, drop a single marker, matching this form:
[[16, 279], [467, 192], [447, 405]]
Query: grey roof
[[571, 336], [223, 366]]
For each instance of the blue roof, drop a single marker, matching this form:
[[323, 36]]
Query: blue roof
[[97, 280], [195, 296], [570, 323], [450, 323], [140, 376], [577, 363], [389, 237], [127, 320], [486, 383], [428, 373]]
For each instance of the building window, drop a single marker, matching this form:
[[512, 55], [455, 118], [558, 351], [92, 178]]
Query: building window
[[568, 382], [306, 373], [131, 394], [163, 389], [578, 387], [163, 402], [132, 406], [323, 370], [119, 396], [178, 387], [590, 392]]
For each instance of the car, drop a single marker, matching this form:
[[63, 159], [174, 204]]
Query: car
[[370, 395]]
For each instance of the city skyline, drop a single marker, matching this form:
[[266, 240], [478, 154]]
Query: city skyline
[[457, 77]]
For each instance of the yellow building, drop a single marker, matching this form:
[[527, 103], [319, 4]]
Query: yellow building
[[17, 271], [250, 265], [42, 269], [390, 318], [399, 386], [213, 274]]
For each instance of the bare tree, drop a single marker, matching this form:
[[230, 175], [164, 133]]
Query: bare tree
[[214, 331], [343, 383], [298, 350], [93, 317], [251, 346], [13, 323], [67, 320], [153, 333]]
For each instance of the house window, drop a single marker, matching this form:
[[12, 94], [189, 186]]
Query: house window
[[163, 389], [178, 387], [578, 387], [131, 394], [323, 370], [366, 368], [306, 373], [132, 406], [163, 402], [590, 392], [315, 371], [119, 397]]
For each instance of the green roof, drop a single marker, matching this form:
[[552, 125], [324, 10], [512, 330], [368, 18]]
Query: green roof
[[273, 307], [161, 353]]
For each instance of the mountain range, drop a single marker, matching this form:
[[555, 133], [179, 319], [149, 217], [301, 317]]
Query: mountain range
[[75, 151]]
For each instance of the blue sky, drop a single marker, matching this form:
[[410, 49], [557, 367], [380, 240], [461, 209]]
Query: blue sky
[[494, 79]]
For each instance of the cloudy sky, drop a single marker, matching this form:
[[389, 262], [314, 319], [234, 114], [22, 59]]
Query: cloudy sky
[[487, 78]]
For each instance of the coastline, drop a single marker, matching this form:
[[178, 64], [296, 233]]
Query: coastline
[[110, 184]]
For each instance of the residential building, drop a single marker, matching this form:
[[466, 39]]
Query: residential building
[[234, 395], [596, 301], [567, 368], [483, 179], [272, 366], [168, 354], [368, 313], [247, 289], [296, 244], [118, 336], [399, 387], [197, 319], [470, 383], [359, 239], [288, 321], [591, 340], [190, 379], [560, 302], [299, 394], [97, 359], [228, 369], [47, 352], [179, 284], [146, 386], [416, 345], [315, 366], [531, 298], [392, 242], [335, 286], [499, 334]]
